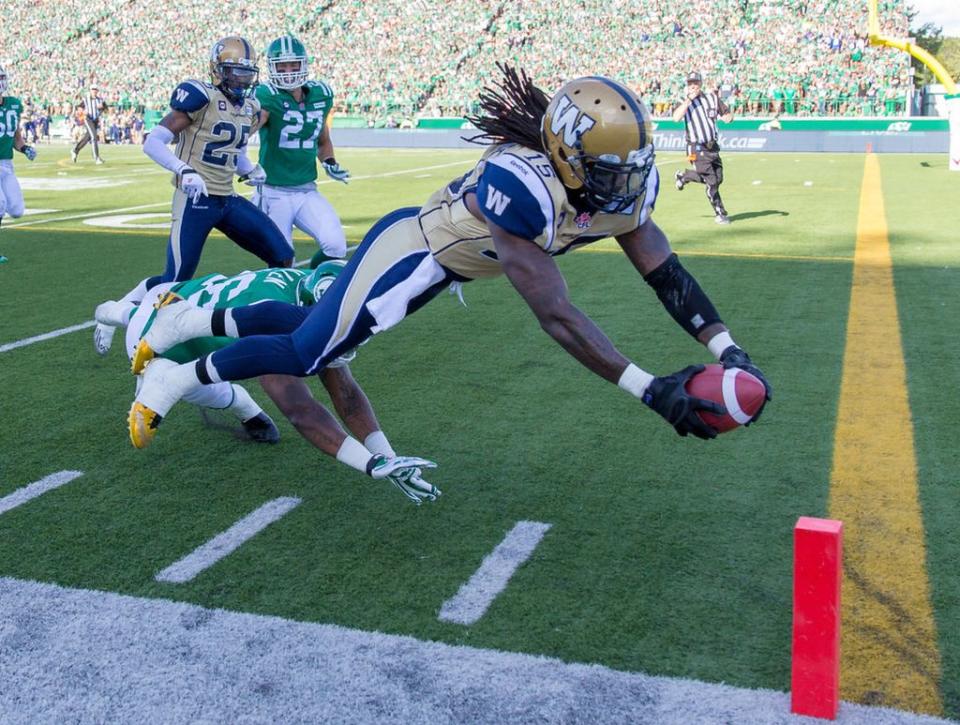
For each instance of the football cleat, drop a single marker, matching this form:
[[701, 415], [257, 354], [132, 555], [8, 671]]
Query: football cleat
[[143, 424], [73, 156], [158, 339], [262, 429], [103, 338], [679, 179], [722, 219]]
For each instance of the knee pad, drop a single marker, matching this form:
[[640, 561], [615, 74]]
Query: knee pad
[[682, 296]]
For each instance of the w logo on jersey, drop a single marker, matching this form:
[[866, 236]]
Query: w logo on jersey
[[571, 120], [496, 200], [181, 95]]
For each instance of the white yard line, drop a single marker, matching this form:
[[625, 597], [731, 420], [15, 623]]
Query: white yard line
[[478, 593], [222, 545], [37, 488], [88, 656], [105, 212], [46, 336]]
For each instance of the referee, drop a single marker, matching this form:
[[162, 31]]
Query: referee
[[93, 107], [699, 113]]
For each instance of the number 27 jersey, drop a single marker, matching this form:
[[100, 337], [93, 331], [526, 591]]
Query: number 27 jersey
[[217, 132], [288, 141]]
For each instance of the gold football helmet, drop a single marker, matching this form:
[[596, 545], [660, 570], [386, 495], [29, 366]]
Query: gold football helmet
[[233, 66], [599, 138]]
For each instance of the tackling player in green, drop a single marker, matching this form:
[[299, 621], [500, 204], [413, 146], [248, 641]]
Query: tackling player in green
[[294, 132], [375, 456], [11, 139]]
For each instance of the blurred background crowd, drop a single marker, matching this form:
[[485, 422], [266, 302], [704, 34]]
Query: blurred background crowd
[[393, 61]]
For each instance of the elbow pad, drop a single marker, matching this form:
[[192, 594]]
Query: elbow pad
[[682, 296]]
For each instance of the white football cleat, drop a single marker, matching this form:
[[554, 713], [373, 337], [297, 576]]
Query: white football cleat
[[176, 320], [103, 338], [73, 156], [114, 313]]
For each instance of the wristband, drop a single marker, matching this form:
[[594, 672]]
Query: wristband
[[635, 381]]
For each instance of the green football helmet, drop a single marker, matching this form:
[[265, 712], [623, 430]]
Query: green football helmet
[[311, 288], [283, 50], [3, 82]]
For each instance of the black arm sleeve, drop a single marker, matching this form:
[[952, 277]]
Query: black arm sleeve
[[682, 296]]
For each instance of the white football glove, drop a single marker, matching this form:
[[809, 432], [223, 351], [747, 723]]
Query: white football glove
[[335, 171], [192, 184], [404, 472], [256, 177]]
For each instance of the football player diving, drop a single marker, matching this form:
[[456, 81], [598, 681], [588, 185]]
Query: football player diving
[[560, 173], [295, 116], [211, 123], [11, 139], [374, 456]]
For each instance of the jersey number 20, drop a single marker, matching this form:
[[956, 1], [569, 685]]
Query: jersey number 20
[[225, 133]]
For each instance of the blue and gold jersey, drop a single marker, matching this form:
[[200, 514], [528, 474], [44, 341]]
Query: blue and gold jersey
[[518, 190], [218, 130]]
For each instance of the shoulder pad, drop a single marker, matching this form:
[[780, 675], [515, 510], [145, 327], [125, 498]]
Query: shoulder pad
[[514, 193], [321, 87], [189, 96]]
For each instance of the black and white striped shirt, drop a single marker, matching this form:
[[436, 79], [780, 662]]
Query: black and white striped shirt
[[700, 119], [92, 105]]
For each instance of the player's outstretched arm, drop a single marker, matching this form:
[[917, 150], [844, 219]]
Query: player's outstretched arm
[[351, 403], [649, 250], [535, 276]]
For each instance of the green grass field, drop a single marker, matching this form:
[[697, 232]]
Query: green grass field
[[666, 555]]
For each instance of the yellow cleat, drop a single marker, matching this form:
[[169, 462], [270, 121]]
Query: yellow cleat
[[141, 356], [143, 424], [144, 353]]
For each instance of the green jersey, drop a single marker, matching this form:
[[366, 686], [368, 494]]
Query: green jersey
[[288, 141], [10, 111], [218, 292]]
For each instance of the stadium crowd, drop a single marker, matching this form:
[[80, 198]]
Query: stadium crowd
[[400, 58]]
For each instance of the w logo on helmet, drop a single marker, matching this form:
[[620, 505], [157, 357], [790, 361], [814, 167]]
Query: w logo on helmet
[[571, 120]]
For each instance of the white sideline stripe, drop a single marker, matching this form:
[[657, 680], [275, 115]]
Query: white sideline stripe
[[73, 655], [37, 488], [225, 543], [46, 336], [478, 593], [106, 212]]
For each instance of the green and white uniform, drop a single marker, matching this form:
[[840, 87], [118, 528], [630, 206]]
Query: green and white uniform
[[288, 154], [11, 196]]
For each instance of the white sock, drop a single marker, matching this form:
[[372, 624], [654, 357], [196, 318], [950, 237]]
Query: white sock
[[137, 294], [243, 406], [377, 442], [720, 342], [354, 454]]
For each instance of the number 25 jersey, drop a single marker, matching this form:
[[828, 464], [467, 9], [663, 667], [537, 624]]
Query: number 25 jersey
[[218, 130]]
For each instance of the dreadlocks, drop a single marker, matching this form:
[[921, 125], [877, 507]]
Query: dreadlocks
[[512, 112]]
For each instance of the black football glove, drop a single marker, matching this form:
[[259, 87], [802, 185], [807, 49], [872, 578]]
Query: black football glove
[[736, 357], [669, 397]]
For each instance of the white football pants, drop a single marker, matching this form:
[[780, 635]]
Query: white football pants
[[11, 196], [309, 211]]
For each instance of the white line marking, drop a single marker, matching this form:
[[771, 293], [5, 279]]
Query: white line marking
[[46, 336], [89, 656], [478, 593], [225, 543], [37, 488], [105, 212]]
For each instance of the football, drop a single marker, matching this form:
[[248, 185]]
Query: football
[[737, 390]]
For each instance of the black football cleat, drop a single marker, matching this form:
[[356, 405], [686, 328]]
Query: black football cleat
[[262, 429]]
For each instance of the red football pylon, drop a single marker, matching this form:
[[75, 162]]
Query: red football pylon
[[817, 571]]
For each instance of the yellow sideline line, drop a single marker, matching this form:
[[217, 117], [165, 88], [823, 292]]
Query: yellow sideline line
[[733, 255], [888, 645]]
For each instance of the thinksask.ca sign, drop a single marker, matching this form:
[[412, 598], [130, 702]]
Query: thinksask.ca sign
[[922, 135]]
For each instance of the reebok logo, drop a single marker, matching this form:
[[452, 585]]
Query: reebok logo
[[496, 200]]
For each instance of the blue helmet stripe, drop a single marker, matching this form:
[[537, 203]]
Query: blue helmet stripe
[[641, 120]]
